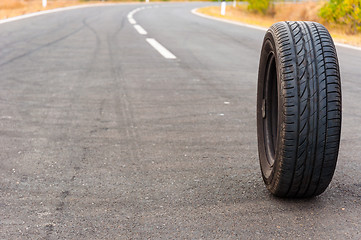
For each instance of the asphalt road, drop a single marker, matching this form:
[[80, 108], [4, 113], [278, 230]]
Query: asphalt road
[[102, 137]]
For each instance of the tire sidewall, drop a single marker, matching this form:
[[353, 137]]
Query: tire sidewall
[[268, 171]]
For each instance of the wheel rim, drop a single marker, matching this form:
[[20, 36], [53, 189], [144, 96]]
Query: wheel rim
[[270, 110]]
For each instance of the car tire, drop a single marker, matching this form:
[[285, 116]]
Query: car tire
[[298, 109]]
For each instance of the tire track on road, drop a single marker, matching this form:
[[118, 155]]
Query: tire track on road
[[42, 46]]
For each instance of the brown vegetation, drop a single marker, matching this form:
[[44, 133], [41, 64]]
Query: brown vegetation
[[12, 4], [279, 12], [12, 8], [306, 11]]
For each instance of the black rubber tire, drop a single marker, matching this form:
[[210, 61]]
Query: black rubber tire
[[298, 109]]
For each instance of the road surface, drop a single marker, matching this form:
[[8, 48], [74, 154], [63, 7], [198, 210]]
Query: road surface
[[103, 137]]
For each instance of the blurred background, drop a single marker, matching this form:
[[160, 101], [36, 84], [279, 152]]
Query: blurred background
[[341, 17]]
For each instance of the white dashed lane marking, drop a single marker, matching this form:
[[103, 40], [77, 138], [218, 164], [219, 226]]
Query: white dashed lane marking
[[162, 50], [140, 29], [154, 43]]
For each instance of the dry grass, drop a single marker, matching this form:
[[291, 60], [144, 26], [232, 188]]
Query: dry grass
[[12, 8], [284, 12], [307, 11], [281, 12], [11, 4]]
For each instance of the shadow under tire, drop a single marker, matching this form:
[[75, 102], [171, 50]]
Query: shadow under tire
[[298, 109]]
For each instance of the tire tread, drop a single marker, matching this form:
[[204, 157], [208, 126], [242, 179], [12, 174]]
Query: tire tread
[[311, 111]]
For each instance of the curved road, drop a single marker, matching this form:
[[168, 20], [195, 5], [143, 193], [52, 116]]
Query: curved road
[[102, 137]]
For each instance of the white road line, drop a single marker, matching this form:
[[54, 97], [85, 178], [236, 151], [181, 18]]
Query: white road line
[[162, 50], [347, 46], [194, 11], [131, 20], [130, 15], [140, 30], [12, 19]]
